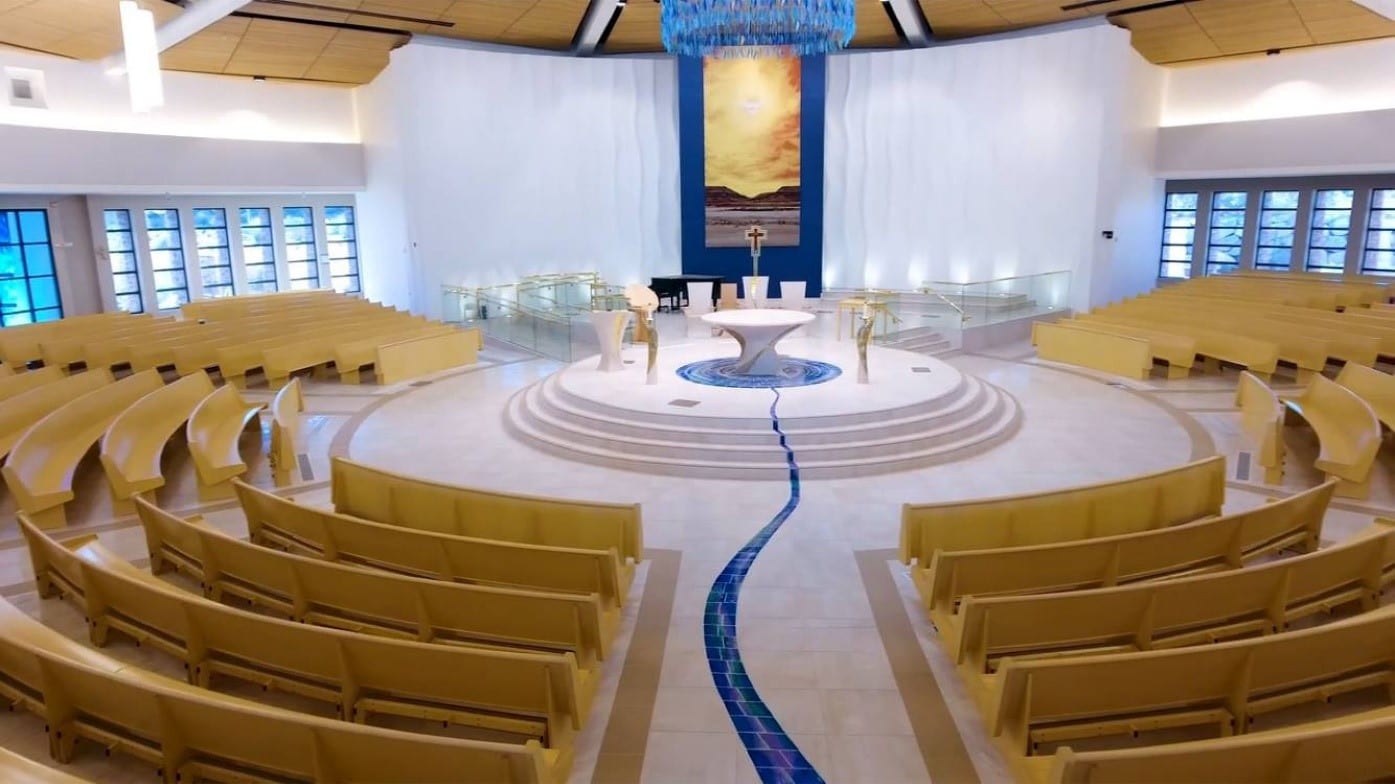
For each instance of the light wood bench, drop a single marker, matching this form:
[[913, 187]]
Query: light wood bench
[[19, 383], [393, 605], [1222, 686], [1214, 543], [64, 351], [1171, 613], [285, 431], [1348, 432], [1177, 351], [213, 432], [192, 734], [1121, 355], [15, 769], [375, 494], [350, 357], [408, 359], [527, 695], [19, 345], [20, 412], [1140, 503], [1375, 387], [1305, 352], [1214, 346], [1325, 334], [1359, 747], [40, 468], [280, 361], [280, 522], [1262, 420], [131, 447]]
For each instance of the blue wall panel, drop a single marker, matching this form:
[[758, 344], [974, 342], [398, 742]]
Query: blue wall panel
[[804, 262]]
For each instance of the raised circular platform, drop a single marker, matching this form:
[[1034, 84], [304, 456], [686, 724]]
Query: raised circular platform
[[917, 411]]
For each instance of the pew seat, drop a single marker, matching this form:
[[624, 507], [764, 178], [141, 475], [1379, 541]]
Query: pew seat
[[192, 734], [40, 468], [20, 412], [1121, 355], [1374, 387], [213, 431], [1348, 432], [18, 383], [131, 447], [15, 769], [527, 695]]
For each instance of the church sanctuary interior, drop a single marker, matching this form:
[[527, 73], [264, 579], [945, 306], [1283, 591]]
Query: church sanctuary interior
[[697, 391]]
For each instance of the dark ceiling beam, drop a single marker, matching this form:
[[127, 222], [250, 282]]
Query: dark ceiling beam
[[595, 26]]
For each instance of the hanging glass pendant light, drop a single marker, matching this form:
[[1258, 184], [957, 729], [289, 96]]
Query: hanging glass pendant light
[[756, 28]]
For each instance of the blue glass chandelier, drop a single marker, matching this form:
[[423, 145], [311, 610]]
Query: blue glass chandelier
[[756, 28]]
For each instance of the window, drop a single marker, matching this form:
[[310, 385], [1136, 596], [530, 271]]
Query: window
[[1226, 239], [343, 249], [121, 249], [28, 283], [1278, 217], [1379, 258], [166, 258], [301, 259], [1179, 235], [1327, 239], [215, 259], [258, 250]]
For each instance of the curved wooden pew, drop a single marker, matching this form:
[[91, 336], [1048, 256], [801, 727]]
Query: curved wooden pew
[[20, 412], [1376, 388], [19, 345], [1177, 351], [18, 383], [1359, 747], [1223, 686], [192, 734], [1215, 346], [1120, 355], [525, 694], [350, 357], [213, 432], [1348, 432], [15, 769], [280, 522], [131, 447], [1262, 420], [1139, 503], [39, 471], [375, 494], [285, 431], [1174, 613], [1213, 543], [402, 360], [328, 594]]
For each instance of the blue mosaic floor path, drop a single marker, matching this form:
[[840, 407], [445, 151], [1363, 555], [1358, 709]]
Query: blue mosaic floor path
[[794, 372], [774, 754]]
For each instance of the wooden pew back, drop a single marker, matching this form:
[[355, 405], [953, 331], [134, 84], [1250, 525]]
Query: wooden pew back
[[1262, 420], [131, 447]]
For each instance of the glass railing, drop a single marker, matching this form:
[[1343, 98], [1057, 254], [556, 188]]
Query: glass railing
[[546, 314], [1003, 299]]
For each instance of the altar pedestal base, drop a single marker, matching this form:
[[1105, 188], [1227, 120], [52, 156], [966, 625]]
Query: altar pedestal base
[[610, 328]]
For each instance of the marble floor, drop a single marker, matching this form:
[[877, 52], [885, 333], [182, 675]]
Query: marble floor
[[830, 629]]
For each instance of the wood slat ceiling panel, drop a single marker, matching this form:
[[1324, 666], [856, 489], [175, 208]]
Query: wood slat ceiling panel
[[88, 29], [1197, 30]]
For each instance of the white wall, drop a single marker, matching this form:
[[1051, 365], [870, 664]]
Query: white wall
[[985, 160], [1326, 110], [214, 134], [509, 163], [83, 96]]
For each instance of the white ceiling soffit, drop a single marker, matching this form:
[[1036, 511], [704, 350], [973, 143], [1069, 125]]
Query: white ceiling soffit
[[1385, 8]]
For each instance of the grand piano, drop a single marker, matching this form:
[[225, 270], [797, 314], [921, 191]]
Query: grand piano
[[674, 288]]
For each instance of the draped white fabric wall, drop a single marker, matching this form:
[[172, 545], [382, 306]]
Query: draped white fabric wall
[[504, 164], [976, 161]]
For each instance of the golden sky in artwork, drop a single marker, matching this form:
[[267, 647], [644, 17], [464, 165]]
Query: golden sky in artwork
[[751, 123]]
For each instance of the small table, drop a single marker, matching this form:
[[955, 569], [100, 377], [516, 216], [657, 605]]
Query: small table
[[758, 331]]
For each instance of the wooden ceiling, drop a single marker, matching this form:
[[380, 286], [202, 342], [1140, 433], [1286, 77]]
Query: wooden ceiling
[[349, 41]]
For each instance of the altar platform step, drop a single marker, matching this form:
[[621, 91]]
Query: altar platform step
[[921, 340], [967, 418]]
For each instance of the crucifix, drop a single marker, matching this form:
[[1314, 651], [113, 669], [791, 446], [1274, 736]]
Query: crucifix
[[754, 235]]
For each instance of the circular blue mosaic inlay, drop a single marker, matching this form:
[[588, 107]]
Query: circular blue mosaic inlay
[[794, 372]]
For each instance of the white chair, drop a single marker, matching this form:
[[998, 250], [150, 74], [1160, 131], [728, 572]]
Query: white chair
[[755, 289], [699, 303], [792, 295]]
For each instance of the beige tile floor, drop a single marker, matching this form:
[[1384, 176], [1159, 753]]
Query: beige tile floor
[[809, 635]]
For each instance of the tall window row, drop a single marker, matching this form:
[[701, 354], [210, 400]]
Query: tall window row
[[1317, 224], [162, 257]]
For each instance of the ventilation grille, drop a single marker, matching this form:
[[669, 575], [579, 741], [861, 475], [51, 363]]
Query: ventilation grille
[[25, 87]]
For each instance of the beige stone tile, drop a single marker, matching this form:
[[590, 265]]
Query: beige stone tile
[[871, 759], [689, 709], [864, 712], [693, 758]]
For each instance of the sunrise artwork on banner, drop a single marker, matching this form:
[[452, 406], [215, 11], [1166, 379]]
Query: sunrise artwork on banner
[[751, 140]]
